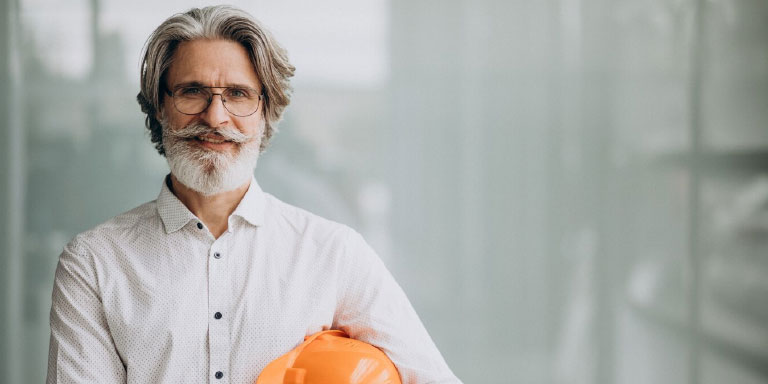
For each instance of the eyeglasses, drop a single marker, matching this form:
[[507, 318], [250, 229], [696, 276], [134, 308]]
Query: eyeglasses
[[194, 99]]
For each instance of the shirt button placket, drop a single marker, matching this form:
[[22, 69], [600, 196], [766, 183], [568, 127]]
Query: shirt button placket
[[218, 299]]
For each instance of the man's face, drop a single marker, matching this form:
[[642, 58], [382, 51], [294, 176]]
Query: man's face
[[214, 150]]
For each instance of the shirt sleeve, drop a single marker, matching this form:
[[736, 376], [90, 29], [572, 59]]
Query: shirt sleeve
[[81, 347], [374, 309]]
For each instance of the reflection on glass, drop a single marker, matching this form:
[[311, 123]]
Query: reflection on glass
[[735, 84]]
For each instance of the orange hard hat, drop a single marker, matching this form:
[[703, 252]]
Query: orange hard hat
[[331, 357]]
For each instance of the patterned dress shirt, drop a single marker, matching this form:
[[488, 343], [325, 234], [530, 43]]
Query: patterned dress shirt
[[151, 296]]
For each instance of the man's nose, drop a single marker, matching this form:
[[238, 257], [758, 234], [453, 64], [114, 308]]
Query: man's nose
[[216, 115]]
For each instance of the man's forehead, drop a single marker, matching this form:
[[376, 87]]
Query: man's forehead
[[212, 62]]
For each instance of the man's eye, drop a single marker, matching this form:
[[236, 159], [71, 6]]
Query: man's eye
[[190, 91], [237, 92]]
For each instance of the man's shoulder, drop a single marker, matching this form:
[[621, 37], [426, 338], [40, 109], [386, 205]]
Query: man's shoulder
[[118, 227], [301, 222]]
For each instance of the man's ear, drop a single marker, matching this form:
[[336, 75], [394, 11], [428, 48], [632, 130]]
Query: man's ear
[[160, 114]]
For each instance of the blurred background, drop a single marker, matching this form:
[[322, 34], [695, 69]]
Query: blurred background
[[569, 191]]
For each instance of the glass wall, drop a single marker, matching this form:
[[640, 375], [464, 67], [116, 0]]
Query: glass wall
[[569, 191]]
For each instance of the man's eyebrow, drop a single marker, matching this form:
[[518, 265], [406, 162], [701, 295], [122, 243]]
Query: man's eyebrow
[[189, 84], [238, 85], [227, 85]]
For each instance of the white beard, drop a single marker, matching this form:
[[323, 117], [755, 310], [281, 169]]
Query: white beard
[[207, 171]]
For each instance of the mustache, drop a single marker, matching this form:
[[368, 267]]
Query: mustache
[[196, 129]]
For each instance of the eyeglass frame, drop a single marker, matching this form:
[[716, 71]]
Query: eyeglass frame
[[261, 97]]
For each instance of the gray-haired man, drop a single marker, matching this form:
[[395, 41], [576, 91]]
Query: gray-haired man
[[215, 278]]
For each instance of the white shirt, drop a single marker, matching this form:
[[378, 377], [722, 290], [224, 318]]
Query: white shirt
[[151, 296]]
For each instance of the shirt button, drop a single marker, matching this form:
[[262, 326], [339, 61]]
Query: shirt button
[[217, 315], [199, 225], [217, 255], [219, 374]]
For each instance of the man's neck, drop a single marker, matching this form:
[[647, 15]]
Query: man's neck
[[212, 210]]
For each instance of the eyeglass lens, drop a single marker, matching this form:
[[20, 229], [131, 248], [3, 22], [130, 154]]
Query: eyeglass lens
[[194, 100]]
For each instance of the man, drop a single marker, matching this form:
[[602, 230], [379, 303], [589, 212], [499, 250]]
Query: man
[[215, 278]]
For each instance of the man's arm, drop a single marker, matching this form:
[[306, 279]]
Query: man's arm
[[81, 348], [374, 309]]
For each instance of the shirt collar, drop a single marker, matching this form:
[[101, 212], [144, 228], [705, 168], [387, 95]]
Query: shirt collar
[[251, 207], [175, 214]]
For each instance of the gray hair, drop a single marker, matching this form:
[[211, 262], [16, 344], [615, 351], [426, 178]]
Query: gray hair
[[269, 60]]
